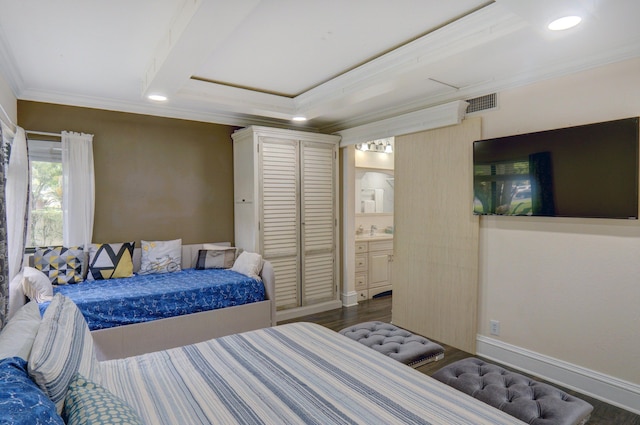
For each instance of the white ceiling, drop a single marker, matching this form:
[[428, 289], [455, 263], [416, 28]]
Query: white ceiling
[[341, 63]]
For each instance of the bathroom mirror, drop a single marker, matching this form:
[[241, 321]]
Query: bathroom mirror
[[374, 191]]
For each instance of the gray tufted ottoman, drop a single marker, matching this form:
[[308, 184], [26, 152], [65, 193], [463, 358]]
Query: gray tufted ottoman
[[397, 343], [530, 401]]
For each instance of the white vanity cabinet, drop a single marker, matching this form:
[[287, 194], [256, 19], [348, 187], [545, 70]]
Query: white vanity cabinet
[[286, 208], [374, 259]]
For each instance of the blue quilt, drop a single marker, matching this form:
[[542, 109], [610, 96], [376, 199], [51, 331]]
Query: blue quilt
[[116, 302]]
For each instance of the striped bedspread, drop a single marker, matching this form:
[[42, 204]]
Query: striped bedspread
[[298, 373]]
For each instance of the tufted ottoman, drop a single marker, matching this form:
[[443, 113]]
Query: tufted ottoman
[[530, 401], [397, 343]]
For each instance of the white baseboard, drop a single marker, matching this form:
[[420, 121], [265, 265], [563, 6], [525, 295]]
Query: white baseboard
[[294, 313], [349, 299], [609, 389]]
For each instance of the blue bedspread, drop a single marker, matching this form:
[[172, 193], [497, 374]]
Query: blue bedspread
[[116, 302]]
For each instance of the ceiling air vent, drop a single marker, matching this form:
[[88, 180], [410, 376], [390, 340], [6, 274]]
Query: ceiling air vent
[[482, 103]]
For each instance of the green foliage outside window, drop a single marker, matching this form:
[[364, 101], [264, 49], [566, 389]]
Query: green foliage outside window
[[45, 226]]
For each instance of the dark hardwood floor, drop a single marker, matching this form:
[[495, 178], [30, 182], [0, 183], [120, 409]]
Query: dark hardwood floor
[[380, 309]]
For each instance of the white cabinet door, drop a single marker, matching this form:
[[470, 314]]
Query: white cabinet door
[[379, 268], [286, 209], [318, 221], [280, 216]]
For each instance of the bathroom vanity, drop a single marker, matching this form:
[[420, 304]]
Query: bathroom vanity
[[374, 259]]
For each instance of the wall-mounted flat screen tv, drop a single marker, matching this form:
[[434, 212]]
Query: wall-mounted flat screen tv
[[585, 171]]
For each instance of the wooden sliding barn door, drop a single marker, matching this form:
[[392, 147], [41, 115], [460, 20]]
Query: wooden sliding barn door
[[435, 270]]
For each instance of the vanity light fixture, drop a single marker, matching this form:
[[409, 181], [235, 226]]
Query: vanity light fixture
[[388, 148], [381, 146], [564, 23]]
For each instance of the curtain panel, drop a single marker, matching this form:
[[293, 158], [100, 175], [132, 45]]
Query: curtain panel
[[78, 190], [4, 272], [17, 196]]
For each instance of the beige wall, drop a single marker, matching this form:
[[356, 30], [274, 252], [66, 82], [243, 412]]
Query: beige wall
[[568, 289], [156, 178]]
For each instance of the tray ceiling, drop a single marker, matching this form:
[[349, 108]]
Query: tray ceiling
[[339, 63]]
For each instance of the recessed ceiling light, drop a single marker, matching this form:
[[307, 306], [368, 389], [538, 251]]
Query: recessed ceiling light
[[564, 23], [299, 118], [157, 97]]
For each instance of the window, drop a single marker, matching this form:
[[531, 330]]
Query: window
[[45, 221]]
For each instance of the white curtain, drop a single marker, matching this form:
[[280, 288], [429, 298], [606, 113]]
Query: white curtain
[[17, 196], [78, 188]]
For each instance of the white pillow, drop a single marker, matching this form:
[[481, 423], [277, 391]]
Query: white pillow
[[161, 256], [17, 298], [248, 263], [62, 348], [36, 285], [16, 338]]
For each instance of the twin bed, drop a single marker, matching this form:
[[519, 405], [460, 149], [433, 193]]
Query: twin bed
[[136, 315]]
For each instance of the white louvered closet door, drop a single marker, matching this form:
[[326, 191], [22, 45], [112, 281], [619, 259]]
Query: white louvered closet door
[[318, 222], [280, 216]]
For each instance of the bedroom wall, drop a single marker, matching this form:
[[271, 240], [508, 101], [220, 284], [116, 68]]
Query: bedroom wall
[[156, 178], [565, 291]]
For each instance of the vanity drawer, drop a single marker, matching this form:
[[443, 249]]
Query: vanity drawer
[[362, 262], [361, 281], [381, 245], [363, 295], [361, 247]]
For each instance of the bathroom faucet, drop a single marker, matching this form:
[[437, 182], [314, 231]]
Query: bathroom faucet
[[373, 230]]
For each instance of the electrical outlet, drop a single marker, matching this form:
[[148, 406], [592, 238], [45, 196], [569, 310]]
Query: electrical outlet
[[494, 327]]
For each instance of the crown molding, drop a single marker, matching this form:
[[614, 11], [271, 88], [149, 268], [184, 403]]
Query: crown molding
[[219, 96], [218, 117], [426, 119]]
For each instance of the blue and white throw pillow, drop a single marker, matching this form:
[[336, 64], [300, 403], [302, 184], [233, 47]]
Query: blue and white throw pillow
[[21, 401], [62, 348], [88, 403]]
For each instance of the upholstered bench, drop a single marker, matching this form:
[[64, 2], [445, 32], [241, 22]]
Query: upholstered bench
[[397, 343], [530, 401]]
